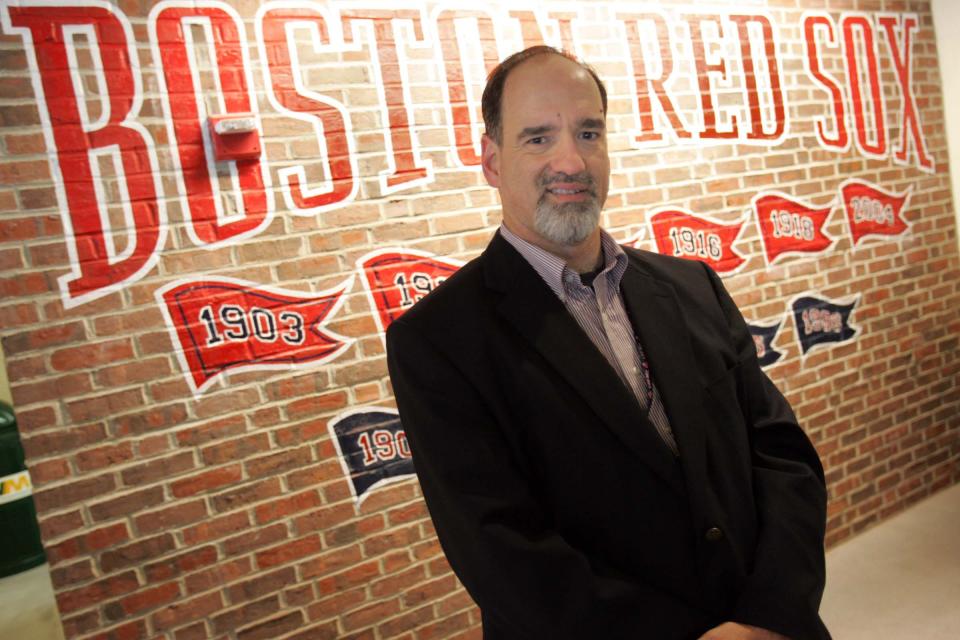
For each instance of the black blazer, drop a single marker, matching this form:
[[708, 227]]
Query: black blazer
[[556, 503]]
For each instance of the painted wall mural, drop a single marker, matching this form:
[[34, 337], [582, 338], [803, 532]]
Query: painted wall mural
[[210, 213]]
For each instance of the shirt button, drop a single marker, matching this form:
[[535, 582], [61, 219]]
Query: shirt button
[[713, 534]]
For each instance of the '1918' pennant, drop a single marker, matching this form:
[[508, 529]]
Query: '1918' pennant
[[789, 226], [763, 337], [372, 447], [682, 234], [221, 324], [820, 321], [873, 212], [397, 278]]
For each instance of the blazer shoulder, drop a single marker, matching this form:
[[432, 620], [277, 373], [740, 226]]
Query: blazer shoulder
[[668, 268], [452, 301]]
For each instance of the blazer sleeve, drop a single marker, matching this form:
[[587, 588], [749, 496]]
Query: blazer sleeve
[[784, 589], [528, 581]]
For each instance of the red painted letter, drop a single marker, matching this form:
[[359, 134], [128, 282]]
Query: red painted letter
[[757, 131], [811, 23], [404, 171], [909, 120], [288, 95], [77, 144], [859, 23], [172, 28], [645, 84], [704, 69]]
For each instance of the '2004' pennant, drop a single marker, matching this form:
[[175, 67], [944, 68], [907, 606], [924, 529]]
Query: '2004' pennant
[[396, 278], [372, 447], [820, 321], [871, 211], [789, 226], [222, 324], [682, 234]]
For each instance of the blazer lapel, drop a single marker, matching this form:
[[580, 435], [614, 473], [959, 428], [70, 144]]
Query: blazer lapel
[[540, 317], [662, 330]]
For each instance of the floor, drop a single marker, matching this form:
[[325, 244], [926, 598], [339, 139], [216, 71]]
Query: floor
[[900, 579], [897, 581]]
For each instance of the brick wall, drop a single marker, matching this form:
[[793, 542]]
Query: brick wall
[[185, 500]]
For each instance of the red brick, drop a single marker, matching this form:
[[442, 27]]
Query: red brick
[[203, 433], [289, 551], [261, 585], [52, 388], [43, 337], [250, 611], [134, 554], [247, 494], [104, 405], [105, 456], [218, 575], [279, 462], [235, 449], [277, 509], [216, 528], [126, 504], [172, 517], [150, 598], [158, 470], [272, 628], [184, 563], [153, 419], [96, 592], [206, 481], [53, 527], [89, 356], [63, 496], [186, 611], [255, 539]]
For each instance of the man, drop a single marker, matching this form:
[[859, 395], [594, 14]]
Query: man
[[600, 452]]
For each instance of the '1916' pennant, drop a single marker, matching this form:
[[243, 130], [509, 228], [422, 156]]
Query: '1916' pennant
[[763, 337], [220, 324], [820, 321], [873, 212], [682, 234], [372, 447], [789, 226], [397, 278]]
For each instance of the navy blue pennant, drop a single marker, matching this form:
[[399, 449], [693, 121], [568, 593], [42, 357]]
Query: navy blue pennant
[[763, 337], [821, 321], [373, 449]]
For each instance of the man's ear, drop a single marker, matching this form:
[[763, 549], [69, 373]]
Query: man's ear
[[490, 160]]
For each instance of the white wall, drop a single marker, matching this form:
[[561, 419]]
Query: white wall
[[946, 18]]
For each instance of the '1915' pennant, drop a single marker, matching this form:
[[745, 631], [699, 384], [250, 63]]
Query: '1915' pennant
[[372, 447], [682, 234], [820, 321], [873, 212], [397, 278], [220, 324], [789, 226]]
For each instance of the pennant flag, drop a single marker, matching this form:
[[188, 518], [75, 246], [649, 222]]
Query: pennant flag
[[822, 321], [396, 278], [219, 324], [636, 240], [763, 337], [872, 211], [682, 234], [789, 226], [372, 447]]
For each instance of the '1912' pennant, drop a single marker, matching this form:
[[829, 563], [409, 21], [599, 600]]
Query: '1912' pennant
[[220, 324], [873, 212], [682, 234], [789, 226], [763, 337], [396, 278], [820, 321], [372, 447]]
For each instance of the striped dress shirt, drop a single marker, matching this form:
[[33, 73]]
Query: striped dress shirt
[[600, 312]]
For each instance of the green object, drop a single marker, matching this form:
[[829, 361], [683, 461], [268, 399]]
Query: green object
[[20, 546]]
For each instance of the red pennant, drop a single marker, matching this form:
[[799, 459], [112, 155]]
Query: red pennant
[[682, 234], [220, 324], [789, 227], [396, 278], [871, 211]]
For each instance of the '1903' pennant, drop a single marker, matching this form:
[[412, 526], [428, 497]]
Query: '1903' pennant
[[763, 337], [396, 278], [372, 447], [873, 212], [820, 321], [682, 234], [789, 226], [221, 324]]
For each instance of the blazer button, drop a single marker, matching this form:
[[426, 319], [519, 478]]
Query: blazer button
[[713, 534]]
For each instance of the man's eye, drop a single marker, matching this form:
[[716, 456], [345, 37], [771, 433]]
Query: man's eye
[[537, 140], [590, 135]]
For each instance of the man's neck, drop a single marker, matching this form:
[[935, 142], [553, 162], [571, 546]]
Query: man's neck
[[582, 257]]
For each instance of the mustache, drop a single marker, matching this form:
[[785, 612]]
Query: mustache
[[582, 178]]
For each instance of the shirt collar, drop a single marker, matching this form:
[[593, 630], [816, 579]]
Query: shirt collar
[[554, 270]]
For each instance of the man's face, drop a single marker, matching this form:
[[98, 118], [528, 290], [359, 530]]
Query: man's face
[[551, 166]]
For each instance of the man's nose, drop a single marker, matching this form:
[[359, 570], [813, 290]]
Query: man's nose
[[567, 157]]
